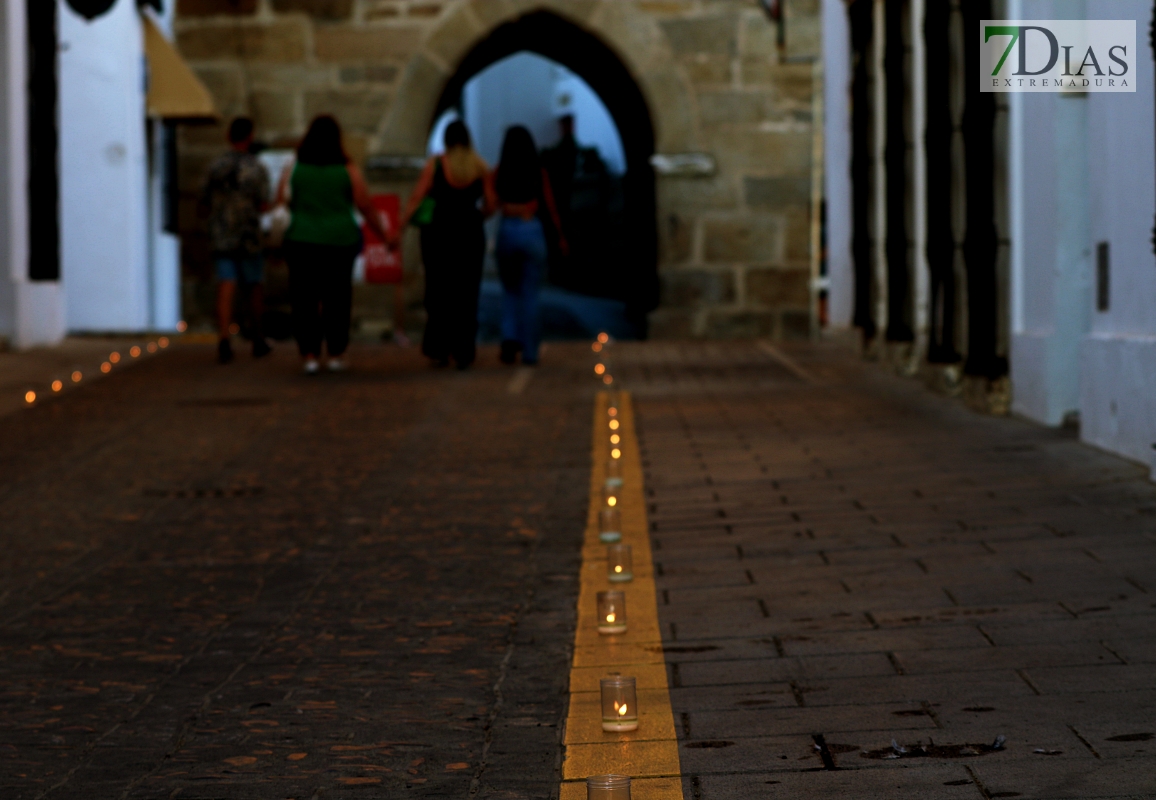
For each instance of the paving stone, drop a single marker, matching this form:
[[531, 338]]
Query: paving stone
[[974, 570]]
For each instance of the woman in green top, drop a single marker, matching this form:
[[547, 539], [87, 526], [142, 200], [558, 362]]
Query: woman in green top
[[322, 189]]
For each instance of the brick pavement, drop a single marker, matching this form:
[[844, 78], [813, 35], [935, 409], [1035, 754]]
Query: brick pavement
[[850, 562], [242, 583]]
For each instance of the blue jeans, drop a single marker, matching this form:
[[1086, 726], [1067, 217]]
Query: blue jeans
[[240, 267], [523, 241]]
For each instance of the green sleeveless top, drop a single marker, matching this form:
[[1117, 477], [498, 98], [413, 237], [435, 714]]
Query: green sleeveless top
[[322, 206]]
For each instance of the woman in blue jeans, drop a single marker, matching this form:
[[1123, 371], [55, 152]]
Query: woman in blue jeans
[[523, 191]]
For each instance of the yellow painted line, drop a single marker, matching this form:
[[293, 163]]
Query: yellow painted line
[[649, 754]]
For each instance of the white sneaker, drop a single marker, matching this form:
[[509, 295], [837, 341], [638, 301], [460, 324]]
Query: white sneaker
[[336, 365], [312, 366]]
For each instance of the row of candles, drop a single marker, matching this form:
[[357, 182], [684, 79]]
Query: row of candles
[[619, 693], [114, 358]]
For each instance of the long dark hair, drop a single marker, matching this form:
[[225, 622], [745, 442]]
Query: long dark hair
[[456, 135], [519, 178], [322, 143]]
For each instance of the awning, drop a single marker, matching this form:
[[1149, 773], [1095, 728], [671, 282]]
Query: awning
[[174, 91]]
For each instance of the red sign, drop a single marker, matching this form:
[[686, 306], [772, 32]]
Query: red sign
[[382, 262]]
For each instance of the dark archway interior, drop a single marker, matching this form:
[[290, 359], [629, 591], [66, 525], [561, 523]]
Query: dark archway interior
[[631, 274]]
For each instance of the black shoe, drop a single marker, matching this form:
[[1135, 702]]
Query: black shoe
[[510, 350], [261, 348], [224, 351]]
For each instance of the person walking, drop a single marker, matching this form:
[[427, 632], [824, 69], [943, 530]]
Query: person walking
[[523, 192], [322, 190], [452, 198], [235, 195]]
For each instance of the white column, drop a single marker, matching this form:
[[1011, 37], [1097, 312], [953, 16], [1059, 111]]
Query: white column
[[919, 179], [879, 112], [837, 163]]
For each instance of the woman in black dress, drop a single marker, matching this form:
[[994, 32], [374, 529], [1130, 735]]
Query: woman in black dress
[[450, 201]]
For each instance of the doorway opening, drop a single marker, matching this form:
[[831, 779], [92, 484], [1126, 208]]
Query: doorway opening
[[536, 71]]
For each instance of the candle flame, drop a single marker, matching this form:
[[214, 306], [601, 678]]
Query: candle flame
[[612, 501], [76, 376], [603, 338], [57, 386], [599, 369], [616, 453], [621, 709], [611, 617], [613, 424], [618, 568], [615, 438]]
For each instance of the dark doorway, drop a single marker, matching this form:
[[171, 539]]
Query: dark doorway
[[631, 274], [43, 144]]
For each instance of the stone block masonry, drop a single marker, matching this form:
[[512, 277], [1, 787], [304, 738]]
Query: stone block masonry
[[718, 76]]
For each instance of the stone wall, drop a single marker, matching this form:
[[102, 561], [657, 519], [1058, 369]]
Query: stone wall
[[719, 79]]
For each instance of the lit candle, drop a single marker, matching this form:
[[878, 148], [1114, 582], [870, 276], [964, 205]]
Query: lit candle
[[599, 369], [603, 338], [619, 563], [612, 411], [597, 347], [619, 704], [134, 351], [609, 526], [614, 472], [611, 612], [615, 452], [608, 787], [609, 496], [30, 397], [76, 376], [57, 385], [106, 367], [614, 424]]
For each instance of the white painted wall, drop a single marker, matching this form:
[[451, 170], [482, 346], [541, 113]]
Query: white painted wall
[[10, 153], [1051, 253], [1118, 357], [164, 247], [104, 172], [837, 163]]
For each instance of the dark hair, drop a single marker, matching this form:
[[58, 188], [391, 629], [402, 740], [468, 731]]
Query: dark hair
[[240, 129], [322, 143], [519, 178], [456, 135]]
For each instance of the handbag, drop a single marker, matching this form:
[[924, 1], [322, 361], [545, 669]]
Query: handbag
[[274, 224]]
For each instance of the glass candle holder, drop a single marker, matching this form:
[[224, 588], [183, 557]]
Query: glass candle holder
[[611, 612], [619, 704], [608, 787], [619, 563], [610, 496], [614, 472], [609, 526]]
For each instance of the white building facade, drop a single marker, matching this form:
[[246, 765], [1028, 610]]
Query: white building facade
[[116, 267], [1070, 192]]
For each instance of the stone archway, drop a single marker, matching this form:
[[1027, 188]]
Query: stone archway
[[719, 84], [621, 53]]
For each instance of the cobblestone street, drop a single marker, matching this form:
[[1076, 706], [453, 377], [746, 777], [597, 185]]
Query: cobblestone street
[[242, 583]]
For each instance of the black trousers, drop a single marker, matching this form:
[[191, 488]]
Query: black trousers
[[321, 290], [453, 278]]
